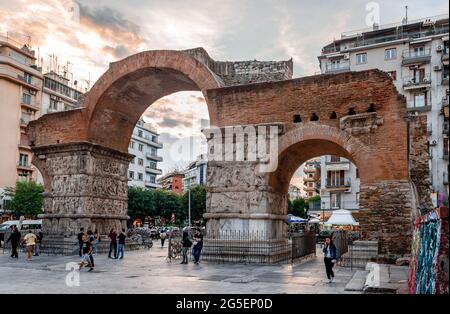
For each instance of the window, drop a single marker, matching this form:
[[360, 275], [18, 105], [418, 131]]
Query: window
[[131, 144], [393, 75], [132, 160], [53, 105], [334, 158], [140, 176], [154, 139], [141, 147], [23, 160], [419, 51], [27, 77], [390, 54], [131, 174], [152, 179], [357, 173], [140, 161], [23, 176], [361, 58], [153, 151], [140, 133], [310, 194], [335, 199], [419, 75], [26, 99], [420, 100], [152, 165]]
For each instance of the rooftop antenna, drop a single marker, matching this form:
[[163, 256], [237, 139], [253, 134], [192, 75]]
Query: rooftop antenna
[[406, 14]]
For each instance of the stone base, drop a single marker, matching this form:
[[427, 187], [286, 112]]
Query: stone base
[[69, 225], [246, 251]]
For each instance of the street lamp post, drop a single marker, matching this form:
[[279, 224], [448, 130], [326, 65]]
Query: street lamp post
[[323, 215], [189, 210]]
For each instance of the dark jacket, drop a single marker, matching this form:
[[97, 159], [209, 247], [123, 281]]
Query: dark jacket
[[186, 242], [332, 251], [14, 237]]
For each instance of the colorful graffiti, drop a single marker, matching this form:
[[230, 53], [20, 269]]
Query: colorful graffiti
[[429, 254]]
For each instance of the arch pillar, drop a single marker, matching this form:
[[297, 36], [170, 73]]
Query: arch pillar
[[85, 186]]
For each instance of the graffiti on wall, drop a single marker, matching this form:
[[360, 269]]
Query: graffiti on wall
[[427, 255]]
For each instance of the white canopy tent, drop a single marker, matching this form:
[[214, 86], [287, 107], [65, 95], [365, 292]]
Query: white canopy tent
[[342, 217]]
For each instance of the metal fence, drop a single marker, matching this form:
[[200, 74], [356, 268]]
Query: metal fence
[[257, 247]]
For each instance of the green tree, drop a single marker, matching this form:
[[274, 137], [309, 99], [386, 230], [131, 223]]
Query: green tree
[[298, 208], [141, 203], [26, 199], [198, 202]]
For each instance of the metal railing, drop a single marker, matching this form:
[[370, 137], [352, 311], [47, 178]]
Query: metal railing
[[338, 182], [337, 67], [414, 80], [257, 247]]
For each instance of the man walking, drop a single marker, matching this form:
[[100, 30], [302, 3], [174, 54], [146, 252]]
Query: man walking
[[30, 242], [162, 236], [86, 248], [80, 240], [113, 244], [122, 236], [14, 237]]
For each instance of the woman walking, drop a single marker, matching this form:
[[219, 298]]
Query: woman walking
[[186, 243], [329, 259]]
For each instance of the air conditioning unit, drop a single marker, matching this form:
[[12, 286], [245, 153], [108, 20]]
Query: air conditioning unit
[[346, 56], [437, 68], [439, 48], [433, 143]]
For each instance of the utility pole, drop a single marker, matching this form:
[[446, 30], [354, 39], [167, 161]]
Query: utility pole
[[189, 191]]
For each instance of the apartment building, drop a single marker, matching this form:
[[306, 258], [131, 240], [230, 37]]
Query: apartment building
[[195, 173], [415, 54], [172, 181], [294, 192], [20, 89], [58, 94], [311, 177], [144, 145], [340, 184]]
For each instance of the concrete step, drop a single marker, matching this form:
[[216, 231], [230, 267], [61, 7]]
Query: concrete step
[[358, 281], [384, 278]]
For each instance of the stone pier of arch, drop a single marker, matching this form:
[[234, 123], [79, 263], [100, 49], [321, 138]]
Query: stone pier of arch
[[82, 154]]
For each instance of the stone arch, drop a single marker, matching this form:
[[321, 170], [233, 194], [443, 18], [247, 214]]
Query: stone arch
[[311, 140], [130, 85]]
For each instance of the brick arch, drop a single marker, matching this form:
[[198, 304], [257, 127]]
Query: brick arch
[[117, 100], [310, 140]]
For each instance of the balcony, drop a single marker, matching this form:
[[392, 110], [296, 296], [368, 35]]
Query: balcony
[[338, 183], [308, 179], [342, 66], [417, 107], [24, 166], [414, 82], [337, 165], [153, 170], [152, 185], [413, 57], [445, 128], [153, 157]]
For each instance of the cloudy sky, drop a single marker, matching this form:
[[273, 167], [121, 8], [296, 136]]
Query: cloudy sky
[[90, 34]]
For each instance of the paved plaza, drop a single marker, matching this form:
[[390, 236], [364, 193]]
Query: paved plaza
[[147, 271]]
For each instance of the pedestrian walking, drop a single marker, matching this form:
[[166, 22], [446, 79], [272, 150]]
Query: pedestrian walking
[[186, 245], [97, 240], [329, 259], [198, 246], [163, 236], [122, 236], [30, 241], [91, 239], [86, 250], [14, 237], [37, 248], [80, 240], [113, 244]]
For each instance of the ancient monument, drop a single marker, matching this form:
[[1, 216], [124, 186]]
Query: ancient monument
[[83, 157]]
